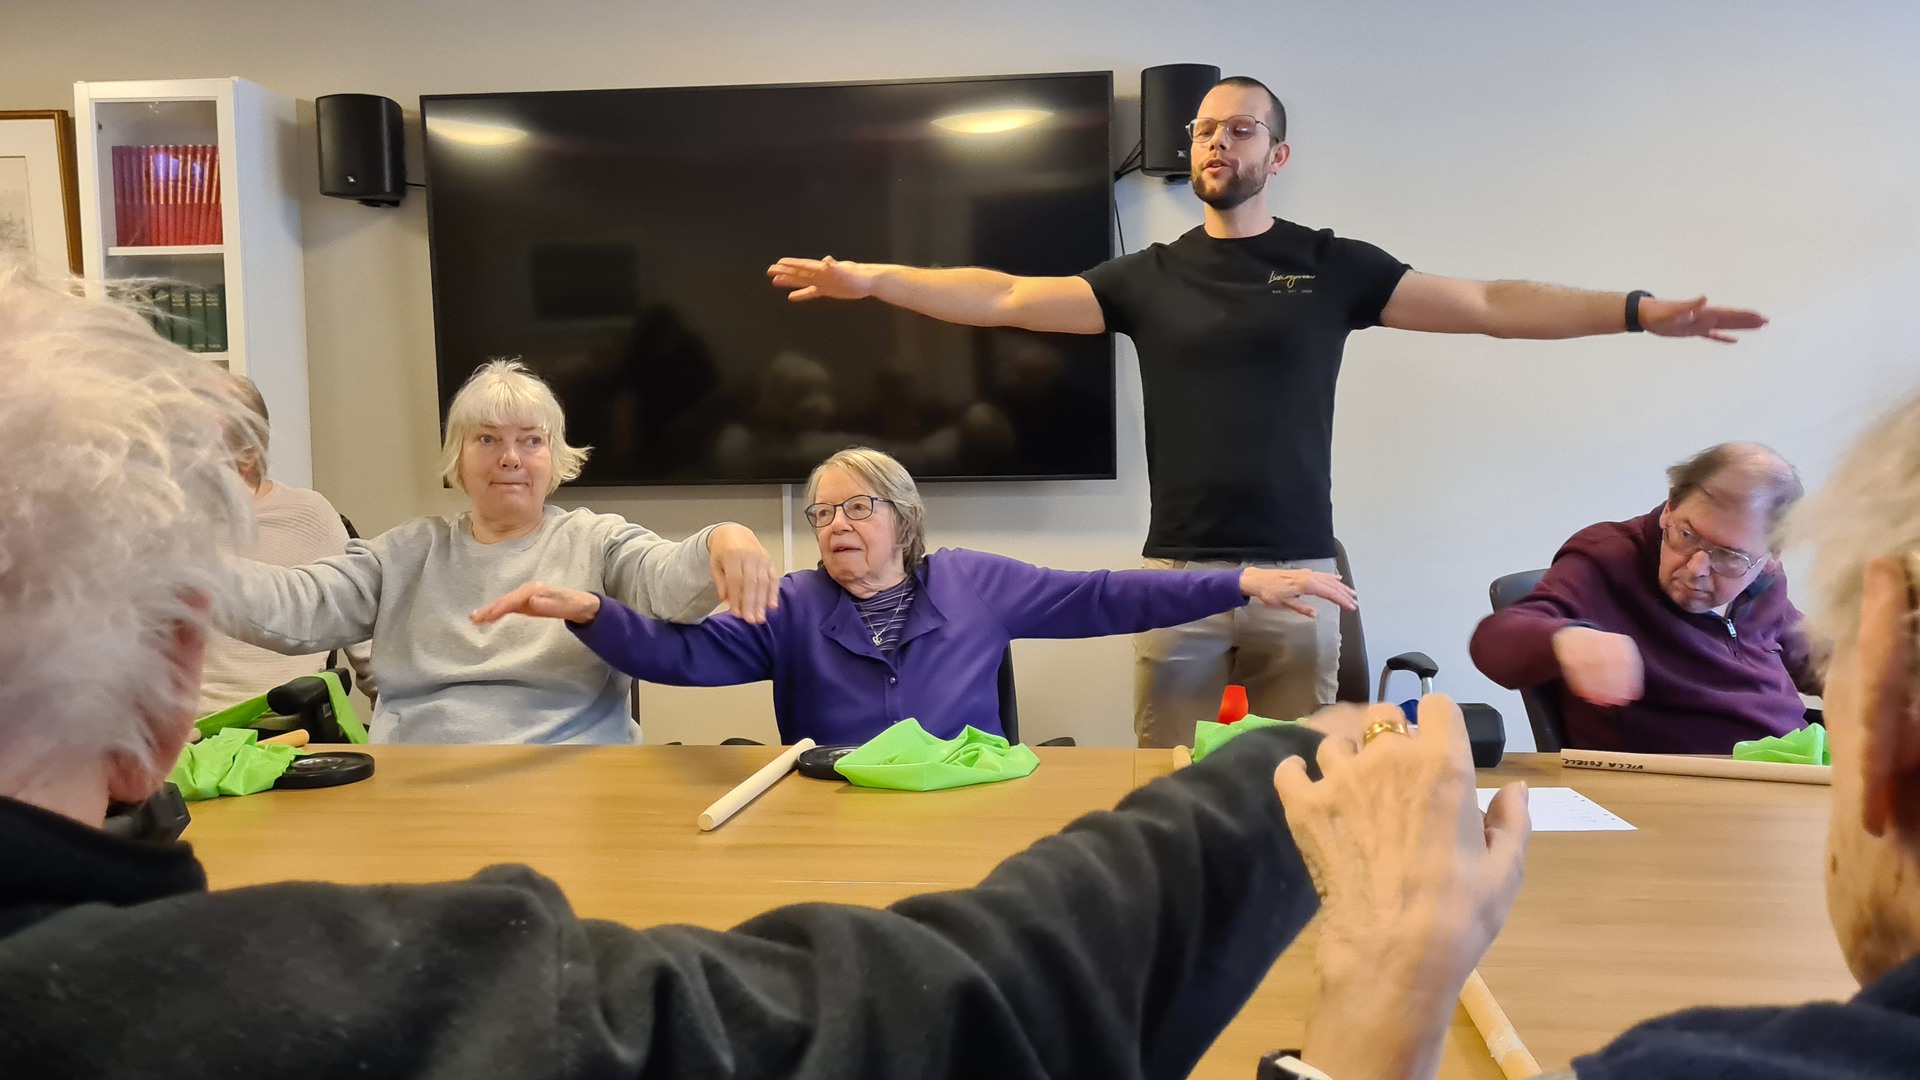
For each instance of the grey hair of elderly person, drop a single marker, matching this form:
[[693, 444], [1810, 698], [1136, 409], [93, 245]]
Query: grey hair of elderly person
[[885, 478], [119, 493]]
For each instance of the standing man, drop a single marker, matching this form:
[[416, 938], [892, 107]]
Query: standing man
[[1240, 325]]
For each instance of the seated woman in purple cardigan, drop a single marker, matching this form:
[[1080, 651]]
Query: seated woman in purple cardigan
[[883, 630]]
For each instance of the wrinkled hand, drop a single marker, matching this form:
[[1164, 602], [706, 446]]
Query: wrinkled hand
[[541, 600], [1284, 588], [1693, 318], [828, 278], [1415, 883], [742, 571], [1598, 667]]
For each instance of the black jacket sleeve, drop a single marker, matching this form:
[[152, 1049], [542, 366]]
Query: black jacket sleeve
[[1116, 949]]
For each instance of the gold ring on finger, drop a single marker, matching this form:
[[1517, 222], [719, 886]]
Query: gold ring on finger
[[1397, 726]]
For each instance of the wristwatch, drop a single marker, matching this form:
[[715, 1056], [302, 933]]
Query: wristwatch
[[1633, 309], [1286, 1065]]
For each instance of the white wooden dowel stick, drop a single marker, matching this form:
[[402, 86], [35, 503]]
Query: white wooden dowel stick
[[1182, 757], [1689, 765], [749, 789], [1503, 1042]]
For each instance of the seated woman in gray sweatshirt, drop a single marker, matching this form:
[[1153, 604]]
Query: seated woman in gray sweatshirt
[[441, 678]]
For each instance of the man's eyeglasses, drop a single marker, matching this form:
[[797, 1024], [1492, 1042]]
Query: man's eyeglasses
[[1238, 127], [858, 508], [1725, 562]]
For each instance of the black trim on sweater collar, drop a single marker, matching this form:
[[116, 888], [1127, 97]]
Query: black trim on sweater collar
[[47, 858]]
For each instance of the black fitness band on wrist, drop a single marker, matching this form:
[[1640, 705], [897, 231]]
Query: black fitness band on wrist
[[1633, 310]]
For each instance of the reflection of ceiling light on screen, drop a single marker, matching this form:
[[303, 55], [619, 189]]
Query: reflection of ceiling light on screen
[[992, 121], [465, 131]]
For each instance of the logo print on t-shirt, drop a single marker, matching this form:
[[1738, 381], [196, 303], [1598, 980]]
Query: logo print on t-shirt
[[1289, 283]]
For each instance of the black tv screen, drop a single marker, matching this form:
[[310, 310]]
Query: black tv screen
[[617, 241]]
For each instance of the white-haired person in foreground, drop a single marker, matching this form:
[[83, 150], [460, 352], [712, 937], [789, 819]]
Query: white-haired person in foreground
[[443, 679], [1116, 949], [1864, 532]]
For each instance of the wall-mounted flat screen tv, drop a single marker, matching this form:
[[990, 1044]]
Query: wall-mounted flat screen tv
[[617, 241]]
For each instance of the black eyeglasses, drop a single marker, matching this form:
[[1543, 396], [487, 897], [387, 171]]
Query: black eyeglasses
[[1238, 127], [1725, 562], [858, 508]]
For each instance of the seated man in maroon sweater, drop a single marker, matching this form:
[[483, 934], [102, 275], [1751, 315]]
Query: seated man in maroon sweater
[[1670, 632]]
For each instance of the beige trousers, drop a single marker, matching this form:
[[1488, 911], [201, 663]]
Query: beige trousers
[[1290, 664]]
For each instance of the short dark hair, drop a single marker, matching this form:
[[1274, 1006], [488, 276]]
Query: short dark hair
[[1276, 112], [1738, 474]]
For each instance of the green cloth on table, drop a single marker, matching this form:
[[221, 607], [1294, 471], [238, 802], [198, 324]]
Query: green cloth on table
[[248, 712], [1808, 746], [229, 762], [1209, 736], [905, 758]]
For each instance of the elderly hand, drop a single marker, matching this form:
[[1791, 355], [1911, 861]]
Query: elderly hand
[[1284, 588], [1598, 667], [828, 278], [742, 571], [1414, 881], [1693, 318], [542, 600]]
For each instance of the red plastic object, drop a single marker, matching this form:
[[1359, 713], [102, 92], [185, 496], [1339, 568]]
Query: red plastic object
[[1233, 705]]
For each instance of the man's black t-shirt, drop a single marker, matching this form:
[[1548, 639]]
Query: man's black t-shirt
[[1240, 344]]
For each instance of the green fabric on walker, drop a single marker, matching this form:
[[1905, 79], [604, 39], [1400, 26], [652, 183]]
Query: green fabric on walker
[[905, 758], [229, 762], [1808, 746], [246, 713], [1209, 736]]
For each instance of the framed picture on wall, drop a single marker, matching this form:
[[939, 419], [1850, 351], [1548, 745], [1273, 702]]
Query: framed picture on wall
[[39, 200]]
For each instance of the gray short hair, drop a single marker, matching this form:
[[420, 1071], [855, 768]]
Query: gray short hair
[[889, 480], [502, 391], [1739, 474], [119, 493], [1869, 507]]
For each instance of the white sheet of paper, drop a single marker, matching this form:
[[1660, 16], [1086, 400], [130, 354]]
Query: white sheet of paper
[[1562, 809]]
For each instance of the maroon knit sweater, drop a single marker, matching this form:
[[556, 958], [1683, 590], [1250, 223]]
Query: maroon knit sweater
[[1710, 682]]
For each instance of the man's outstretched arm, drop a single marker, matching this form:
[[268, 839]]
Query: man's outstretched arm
[[1530, 309], [965, 294]]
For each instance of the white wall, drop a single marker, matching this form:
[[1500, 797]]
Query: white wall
[[1761, 152]]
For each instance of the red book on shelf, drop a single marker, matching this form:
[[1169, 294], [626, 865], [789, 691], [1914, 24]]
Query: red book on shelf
[[201, 223], [189, 231], [120, 196], [148, 186], [173, 195], [216, 231], [157, 195]]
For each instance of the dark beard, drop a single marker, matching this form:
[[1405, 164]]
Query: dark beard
[[1239, 188]]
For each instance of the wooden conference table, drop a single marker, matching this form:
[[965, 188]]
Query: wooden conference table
[[1717, 899]]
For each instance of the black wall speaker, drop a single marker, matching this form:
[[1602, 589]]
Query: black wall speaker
[[1169, 96], [362, 153]]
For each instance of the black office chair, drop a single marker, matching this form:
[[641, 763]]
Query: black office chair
[[1010, 705], [1543, 701], [1354, 672], [1486, 730]]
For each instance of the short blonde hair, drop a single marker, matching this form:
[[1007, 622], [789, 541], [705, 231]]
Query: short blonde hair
[[890, 480], [504, 393]]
